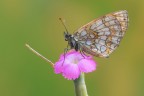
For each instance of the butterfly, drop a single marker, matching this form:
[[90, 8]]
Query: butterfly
[[101, 36]]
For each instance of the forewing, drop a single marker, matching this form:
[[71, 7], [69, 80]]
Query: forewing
[[102, 36]]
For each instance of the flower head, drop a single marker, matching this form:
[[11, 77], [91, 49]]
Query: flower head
[[73, 63]]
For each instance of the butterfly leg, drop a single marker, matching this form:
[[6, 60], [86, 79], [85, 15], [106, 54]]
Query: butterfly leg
[[82, 52], [65, 51]]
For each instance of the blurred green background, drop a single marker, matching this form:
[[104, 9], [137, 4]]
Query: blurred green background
[[36, 22]]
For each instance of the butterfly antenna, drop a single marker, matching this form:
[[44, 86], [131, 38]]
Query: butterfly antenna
[[63, 23]]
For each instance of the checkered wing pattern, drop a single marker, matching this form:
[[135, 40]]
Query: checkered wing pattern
[[102, 36]]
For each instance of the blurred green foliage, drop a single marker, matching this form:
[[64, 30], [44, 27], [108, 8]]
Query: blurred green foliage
[[36, 22]]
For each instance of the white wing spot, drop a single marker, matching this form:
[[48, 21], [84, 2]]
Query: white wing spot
[[113, 46], [93, 26], [112, 22], [105, 29], [102, 42], [100, 27], [88, 42], [98, 46], [83, 33], [107, 33], [107, 18], [103, 48], [95, 50], [115, 41], [101, 33], [92, 35], [103, 37], [96, 40], [99, 22], [115, 38]]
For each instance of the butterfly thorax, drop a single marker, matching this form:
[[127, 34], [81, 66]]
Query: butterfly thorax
[[71, 41]]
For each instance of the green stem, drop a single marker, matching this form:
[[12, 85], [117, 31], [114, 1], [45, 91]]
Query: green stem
[[80, 86]]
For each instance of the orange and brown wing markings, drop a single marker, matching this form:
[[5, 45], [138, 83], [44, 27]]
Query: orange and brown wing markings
[[101, 36]]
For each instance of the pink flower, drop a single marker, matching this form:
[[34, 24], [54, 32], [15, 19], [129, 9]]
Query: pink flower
[[74, 64]]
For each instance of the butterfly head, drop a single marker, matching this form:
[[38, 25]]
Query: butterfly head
[[67, 36]]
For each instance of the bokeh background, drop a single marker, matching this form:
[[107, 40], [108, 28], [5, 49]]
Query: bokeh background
[[36, 22]]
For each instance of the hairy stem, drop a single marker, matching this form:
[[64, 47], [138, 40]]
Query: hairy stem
[[38, 54], [80, 86]]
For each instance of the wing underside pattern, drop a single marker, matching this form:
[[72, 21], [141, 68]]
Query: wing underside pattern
[[102, 36]]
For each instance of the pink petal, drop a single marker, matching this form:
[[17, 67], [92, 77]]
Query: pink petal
[[68, 54], [87, 65], [71, 64], [71, 71], [58, 67]]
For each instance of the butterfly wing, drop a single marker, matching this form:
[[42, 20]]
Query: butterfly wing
[[102, 36]]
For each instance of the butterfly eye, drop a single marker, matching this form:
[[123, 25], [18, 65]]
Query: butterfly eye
[[67, 36]]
